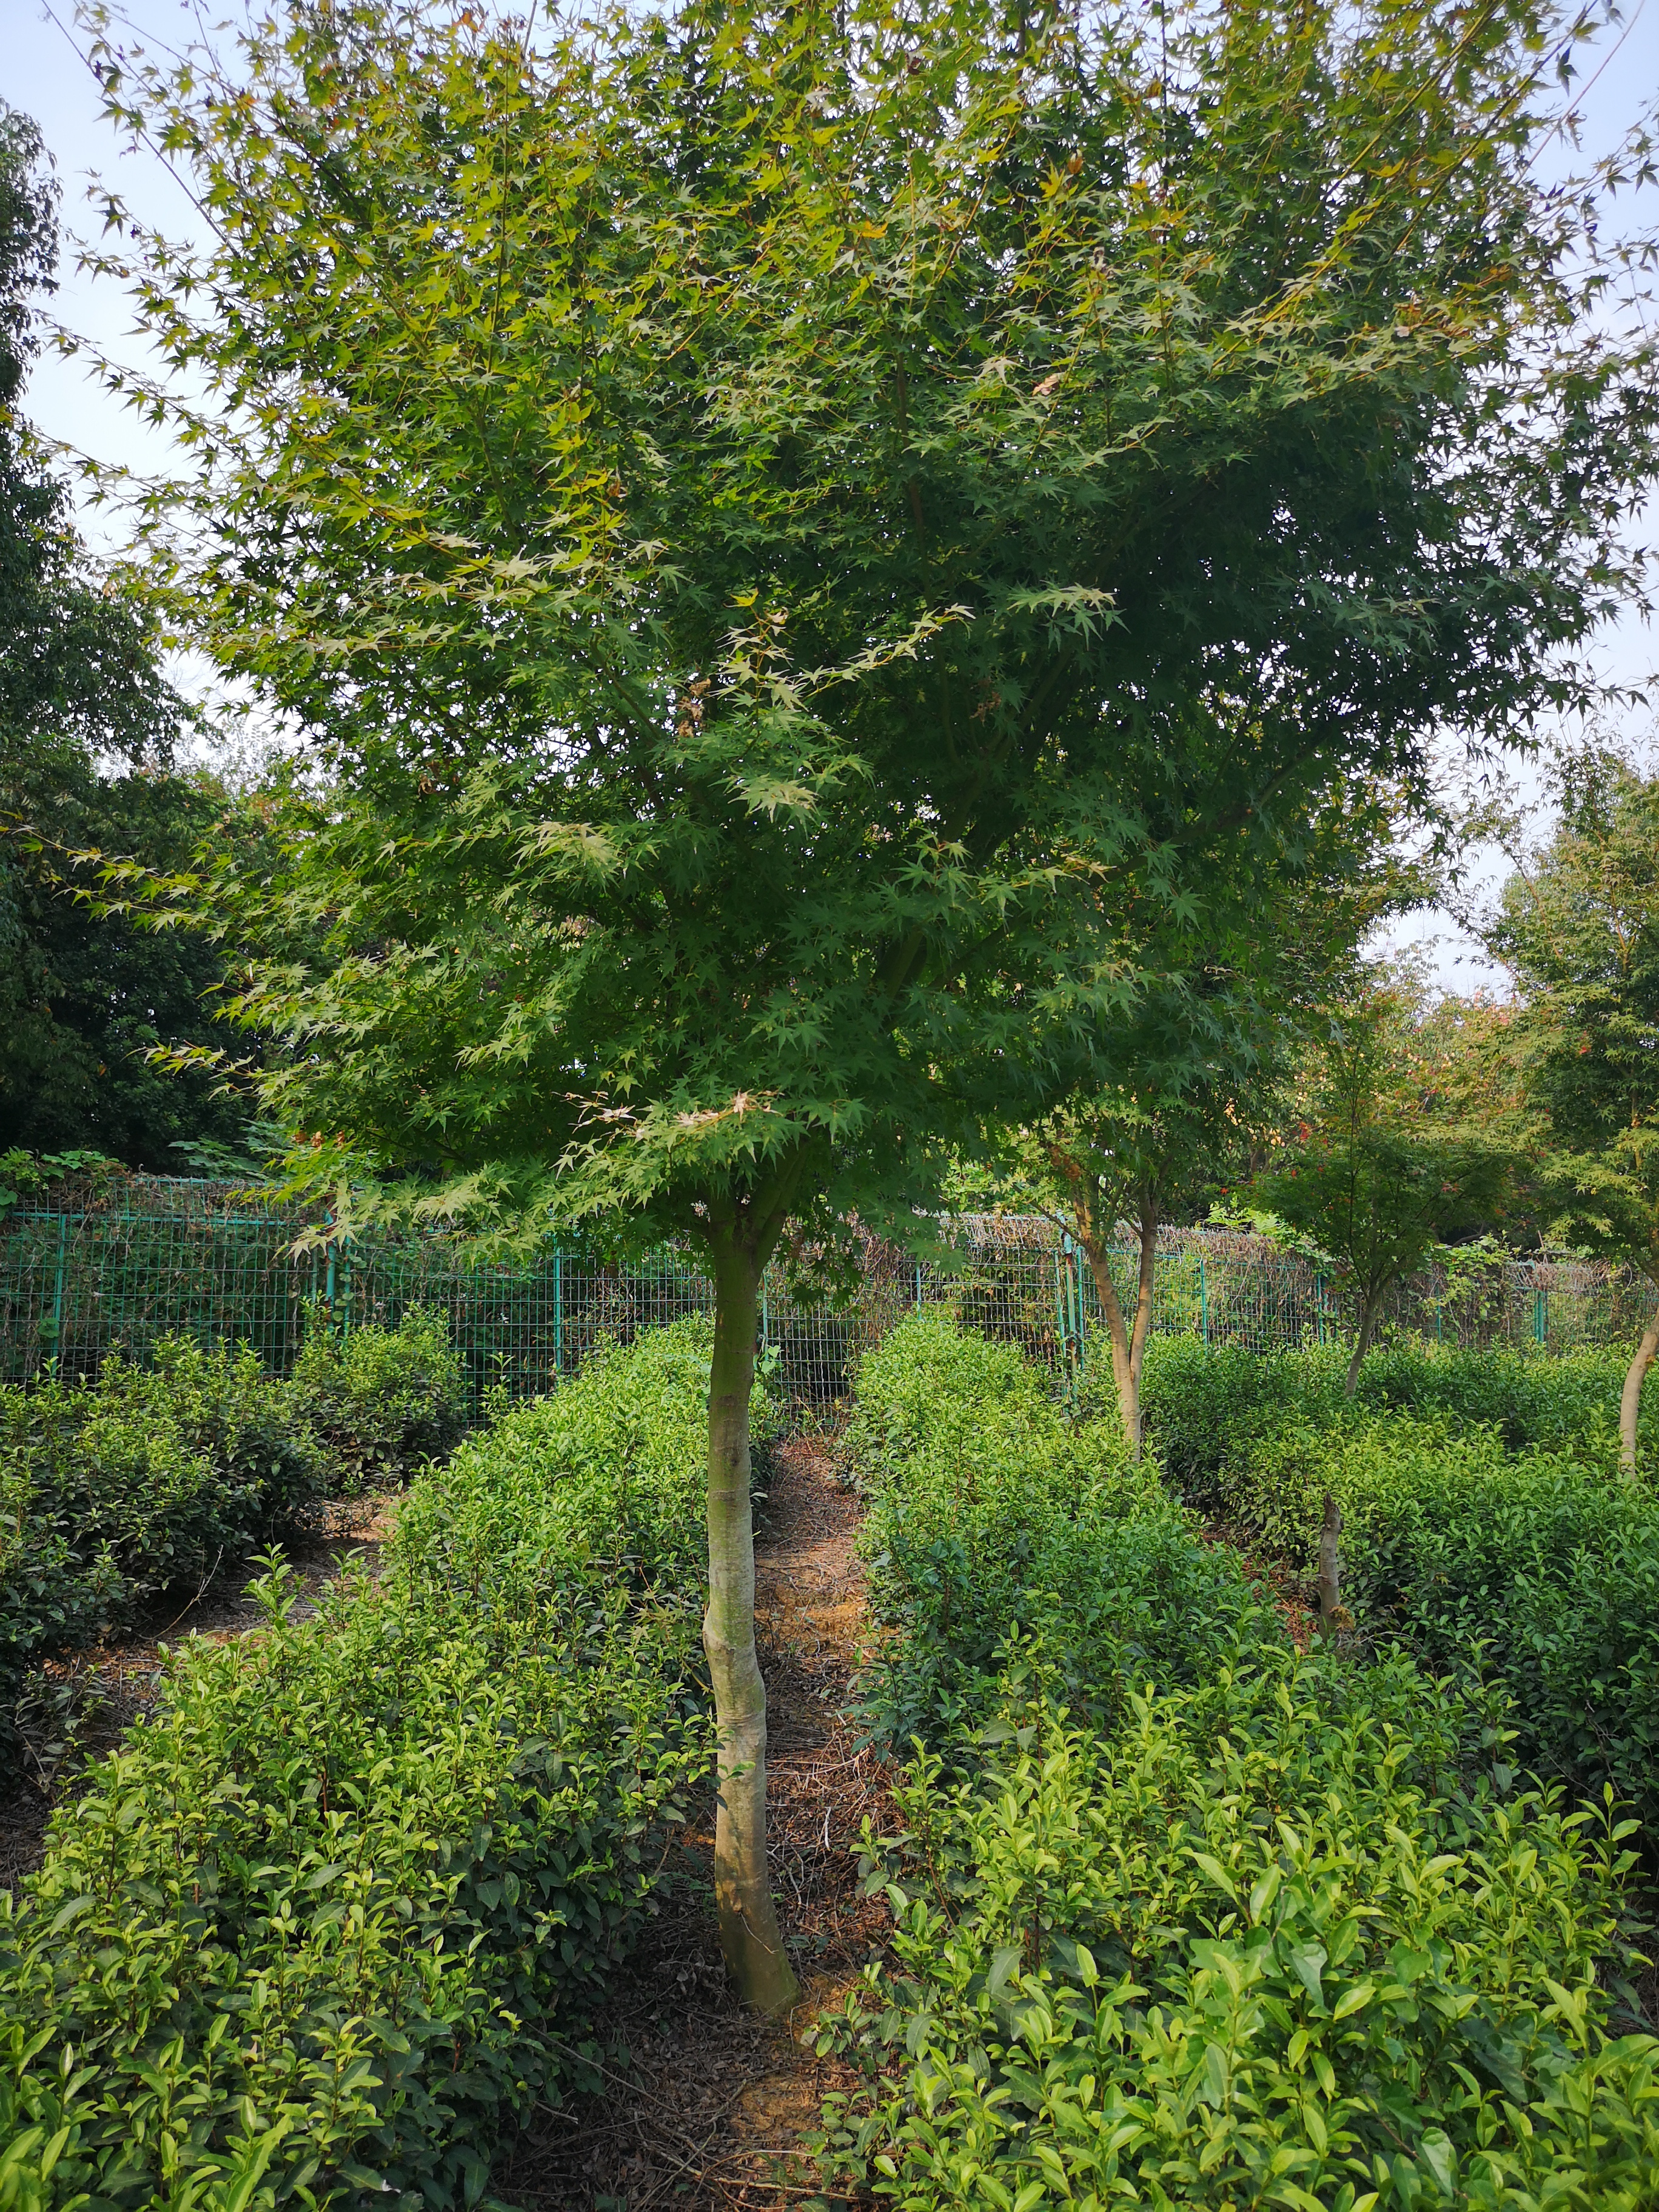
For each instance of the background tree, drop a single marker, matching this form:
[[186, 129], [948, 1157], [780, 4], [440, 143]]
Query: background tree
[[1382, 1169], [1578, 926], [1183, 1094], [794, 530], [88, 727]]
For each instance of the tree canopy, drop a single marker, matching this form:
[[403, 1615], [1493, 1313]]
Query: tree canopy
[[794, 530], [1384, 1167], [1578, 926]]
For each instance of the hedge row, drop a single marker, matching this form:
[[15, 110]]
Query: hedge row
[[1535, 1568], [342, 1907], [152, 1479], [1202, 1403], [1278, 1930]]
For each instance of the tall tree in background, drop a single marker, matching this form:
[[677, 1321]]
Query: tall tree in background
[[795, 531], [87, 727], [1384, 1167], [1578, 926], [1180, 1096]]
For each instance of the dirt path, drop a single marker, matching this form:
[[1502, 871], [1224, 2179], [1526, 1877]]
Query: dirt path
[[708, 2116]]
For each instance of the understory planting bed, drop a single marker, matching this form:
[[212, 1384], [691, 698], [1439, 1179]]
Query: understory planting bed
[[1181, 1915], [1104, 1890]]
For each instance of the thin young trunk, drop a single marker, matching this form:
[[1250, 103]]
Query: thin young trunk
[[1630, 1401], [749, 1937], [1143, 1328], [1126, 1349], [1370, 1306]]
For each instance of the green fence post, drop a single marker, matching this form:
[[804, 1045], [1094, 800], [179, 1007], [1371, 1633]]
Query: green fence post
[[57, 1289], [558, 1311], [345, 1295], [765, 1313], [1540, 1316], [918, 1286], [1203, 1299]]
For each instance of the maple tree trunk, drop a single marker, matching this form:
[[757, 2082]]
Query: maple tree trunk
[[1370, 1306], [749, 1937], [1128, 1341], [1630, 1399]]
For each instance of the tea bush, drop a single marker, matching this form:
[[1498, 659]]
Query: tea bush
[[149, 1480], [1256, 1927], [1206, 1404], [1261, 1946], [154, 1479], [990, 1509], [320, 1927], [380, 1401], [1530, 1568]]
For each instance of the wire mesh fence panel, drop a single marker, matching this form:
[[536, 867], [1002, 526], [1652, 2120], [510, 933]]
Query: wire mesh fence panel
[[149, 1258]]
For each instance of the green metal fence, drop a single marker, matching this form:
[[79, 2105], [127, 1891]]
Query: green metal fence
[[147, 1258]]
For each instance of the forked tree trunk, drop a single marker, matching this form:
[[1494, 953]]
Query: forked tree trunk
[[749, 1937], [1630, 1399], [1371, 1305], [1127, 1338]]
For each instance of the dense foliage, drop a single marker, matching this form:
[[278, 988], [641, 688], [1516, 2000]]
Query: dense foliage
[[378, 1401], [344, 1906], [156, 1479], [1486, 1519], [87, 729], [1280, 1929], [990, 1513], [1206, 1404], [86, 993]]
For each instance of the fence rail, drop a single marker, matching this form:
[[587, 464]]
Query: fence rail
[[164, 1258]]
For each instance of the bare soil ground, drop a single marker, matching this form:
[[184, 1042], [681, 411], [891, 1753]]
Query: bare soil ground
[[109, 1686], [708, 2112]]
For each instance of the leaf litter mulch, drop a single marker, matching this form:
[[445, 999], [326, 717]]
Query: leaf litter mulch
[[706, 2111]]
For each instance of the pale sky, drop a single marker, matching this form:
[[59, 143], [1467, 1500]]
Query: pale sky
[[41, 72]]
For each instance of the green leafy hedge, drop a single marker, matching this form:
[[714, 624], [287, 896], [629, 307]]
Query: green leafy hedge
[[380, 1402], [988, 1510], [1527, 1568], [1204, 1404], [155, 1479], [152, 1479], [1263, 1928], [345, 1904]]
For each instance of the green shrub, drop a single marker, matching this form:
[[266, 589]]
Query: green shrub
[[1259, 1948], [148, 1480], [347, 1902], [380, 1401], [1204, 1405], [1531, 1568], [989, 1510], [1268, 1928]]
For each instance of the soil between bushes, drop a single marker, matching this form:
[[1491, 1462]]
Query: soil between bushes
[[705, 2104]]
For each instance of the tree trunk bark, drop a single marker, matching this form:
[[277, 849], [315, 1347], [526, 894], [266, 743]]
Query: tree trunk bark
[[1370, 1306], [750, 1937], [1629, 1401], [1143, 1324], [1126, 1365]]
